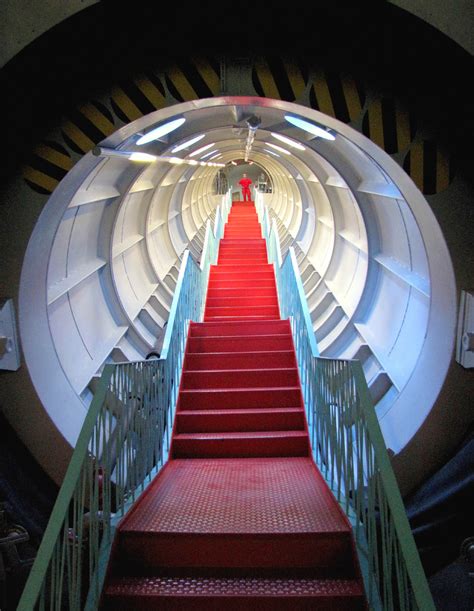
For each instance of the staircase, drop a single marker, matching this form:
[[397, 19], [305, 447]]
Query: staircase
[[240, 517]]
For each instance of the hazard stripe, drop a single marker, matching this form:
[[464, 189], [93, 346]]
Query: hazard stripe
[[353, 97], [414, 165], [263, 80], [75, 138], [375, 119], [149, 88], [337, 95], [323, 97], [48, 164], [404, 129], [211, 78], [123, 106], [87, 125], [98, 118], [179, 86], [389, 125], [134, 98], [189, 80], [57, 158], [429, 166], [443, 171], [38, 181], [296, 77], [277, 78]]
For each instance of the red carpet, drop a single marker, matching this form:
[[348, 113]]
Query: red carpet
[[240, 517]]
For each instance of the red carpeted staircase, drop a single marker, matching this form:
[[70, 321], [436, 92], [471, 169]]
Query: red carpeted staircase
[[240, 518]]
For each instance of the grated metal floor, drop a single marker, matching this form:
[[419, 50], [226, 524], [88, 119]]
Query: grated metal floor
[[254, 495]]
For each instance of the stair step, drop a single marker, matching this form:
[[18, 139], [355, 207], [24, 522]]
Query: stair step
[[247, 243], [252, 513], [242, 281], [240, 444], [269, 327], [239, 517], [256, 291], [269, 311], [225, 259], [235, 318], [232, 247], [238, 378], [227, 273], [209, 421], [241, 301], [245, 253], [233, 593], [240, 360], [242, 234], [240, 398], [243, 221], [240, 343]]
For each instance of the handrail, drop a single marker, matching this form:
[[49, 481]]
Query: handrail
[[123, 444], [350, 451]]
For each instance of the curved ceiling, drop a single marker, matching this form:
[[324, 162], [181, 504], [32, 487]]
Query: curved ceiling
[[376, 270]]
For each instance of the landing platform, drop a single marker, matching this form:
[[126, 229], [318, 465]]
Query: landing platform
[[253, 495]]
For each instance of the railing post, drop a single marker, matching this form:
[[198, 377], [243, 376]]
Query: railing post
[[420, 588], [40, 567], [126, 433], [333, 391]]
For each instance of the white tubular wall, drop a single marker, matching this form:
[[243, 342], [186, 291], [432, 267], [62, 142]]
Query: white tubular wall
[[103, 261]]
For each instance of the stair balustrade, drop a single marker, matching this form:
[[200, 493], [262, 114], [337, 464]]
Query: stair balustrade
[[349, 449], [123, 444]]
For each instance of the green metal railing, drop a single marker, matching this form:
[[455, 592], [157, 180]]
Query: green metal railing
[[123, 444], [350, 451]]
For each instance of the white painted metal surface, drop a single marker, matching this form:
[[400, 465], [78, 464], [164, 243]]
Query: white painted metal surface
[[102, 263]]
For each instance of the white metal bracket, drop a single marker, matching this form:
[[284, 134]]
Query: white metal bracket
[[465, 335], [9, 348]]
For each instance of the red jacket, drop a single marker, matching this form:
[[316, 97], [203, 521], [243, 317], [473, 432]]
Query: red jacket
[[245, 183]]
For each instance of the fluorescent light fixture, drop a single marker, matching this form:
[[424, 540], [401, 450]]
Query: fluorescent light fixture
[[279, 148], [202, 149], [160, 131], [311, 128], [271, 153], [289, 141], [210, 153], [98, 151], [215, 156], [142, 157], [187, 143]]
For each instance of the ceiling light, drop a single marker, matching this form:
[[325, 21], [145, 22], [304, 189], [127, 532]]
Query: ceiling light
[[192, 161], [160, 131], [176, 160], [215, 156], [142, 157], [210, 153], [310, 127], [187, 143], [202, 149], [292, 143], [271, 153], [279, 148]]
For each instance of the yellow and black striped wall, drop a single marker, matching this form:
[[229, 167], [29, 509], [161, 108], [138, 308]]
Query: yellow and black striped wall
[[341, 95]]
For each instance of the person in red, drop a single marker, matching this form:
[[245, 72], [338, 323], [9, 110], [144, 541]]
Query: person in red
[[245, 183]]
